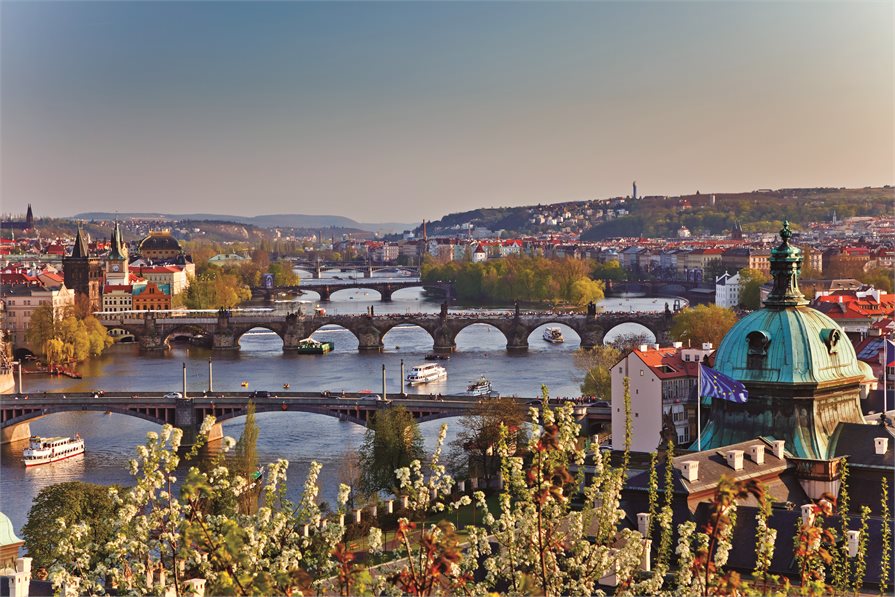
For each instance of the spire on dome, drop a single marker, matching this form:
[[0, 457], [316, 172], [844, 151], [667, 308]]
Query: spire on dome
[[786, 265]]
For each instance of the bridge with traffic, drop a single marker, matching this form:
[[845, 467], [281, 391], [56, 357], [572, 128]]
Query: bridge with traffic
[[188, 413], [153, 329], [325, 287]]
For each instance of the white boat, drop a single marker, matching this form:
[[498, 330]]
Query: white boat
[[42, 450], [554, 336], [429, 372], [482, 387]]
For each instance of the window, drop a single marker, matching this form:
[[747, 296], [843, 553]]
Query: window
[[757, 352], [641, 373]]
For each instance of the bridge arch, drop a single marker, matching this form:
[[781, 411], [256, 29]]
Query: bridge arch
[[348, 414], [406, 335], [571, 336], [255, 330], [187, 329], [484, 334], [166, 416], [334, 291], [630, 329], [343, 338]]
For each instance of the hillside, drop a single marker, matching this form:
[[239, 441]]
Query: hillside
[[299, 221], [663, 216]]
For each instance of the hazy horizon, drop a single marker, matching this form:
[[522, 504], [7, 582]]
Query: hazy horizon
[[395, 112]]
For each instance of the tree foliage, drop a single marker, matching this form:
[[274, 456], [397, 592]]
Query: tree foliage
[[391, 442], [597, 366], [65, 338], [481, 431], [215, 288], [703, 323], [751, 281], [73, 502], [519, 278]]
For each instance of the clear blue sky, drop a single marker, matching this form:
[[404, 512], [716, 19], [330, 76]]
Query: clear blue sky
[[396, 111]]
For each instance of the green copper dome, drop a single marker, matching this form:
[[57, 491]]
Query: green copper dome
[[795, 345], [798, 365], [7, 534]]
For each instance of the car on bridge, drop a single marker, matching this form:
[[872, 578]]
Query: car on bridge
[[261, 394], [173, 395]]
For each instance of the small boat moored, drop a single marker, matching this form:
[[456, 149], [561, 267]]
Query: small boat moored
[[427, 373], [553, 336], [435, 356], [43, 450]]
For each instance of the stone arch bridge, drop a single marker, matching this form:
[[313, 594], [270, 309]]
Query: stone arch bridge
[[153, 330], [188, 413], [326, 288]]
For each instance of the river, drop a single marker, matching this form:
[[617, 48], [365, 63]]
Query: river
[[298, 437]]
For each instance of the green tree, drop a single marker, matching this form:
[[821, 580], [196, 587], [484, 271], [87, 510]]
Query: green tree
[[477, 441], [597, 365], [245, 460], [703, 323], [610, 271], [881, 278], [392, 441], [283, 275], [751, 281], [74, 502]]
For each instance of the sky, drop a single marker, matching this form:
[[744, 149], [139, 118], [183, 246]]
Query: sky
[[399, 111]]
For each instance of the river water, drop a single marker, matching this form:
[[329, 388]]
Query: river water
[[298, 437]]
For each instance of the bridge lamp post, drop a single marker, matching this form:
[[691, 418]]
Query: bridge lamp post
[[184, 379], [210, 387], [384, 396], [403, 380], [19, 363]]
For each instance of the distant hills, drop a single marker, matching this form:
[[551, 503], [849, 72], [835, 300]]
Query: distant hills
[[303, 221], [662, 217]]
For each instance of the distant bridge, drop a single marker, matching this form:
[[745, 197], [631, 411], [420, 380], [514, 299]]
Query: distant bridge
[[188, 414], [153, 330], [367, 267], [326, 287]]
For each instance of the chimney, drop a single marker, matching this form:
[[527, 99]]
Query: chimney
[[854, 539], [677, 345], [643, 522], [881, 444], [690, 470], [655, 346], [807, 514], [756, 453], [778, 446], [735, 459], [643, 347], [706, 345]]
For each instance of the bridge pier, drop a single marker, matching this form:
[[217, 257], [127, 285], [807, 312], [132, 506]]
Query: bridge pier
[[325, 292], [369, 339], [151, 343], [15, 433], [385, 294], [225, 340]]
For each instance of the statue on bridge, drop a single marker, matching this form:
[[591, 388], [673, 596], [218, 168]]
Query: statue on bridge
[[516, 305], [444, 310], [591, 309]]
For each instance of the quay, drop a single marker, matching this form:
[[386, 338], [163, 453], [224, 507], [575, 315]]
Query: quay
[[16, 412]]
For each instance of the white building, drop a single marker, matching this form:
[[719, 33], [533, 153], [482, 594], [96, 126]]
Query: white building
[[22, 300], [727, 290], [662, 382]]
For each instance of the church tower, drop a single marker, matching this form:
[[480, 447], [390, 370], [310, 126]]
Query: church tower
[[82, 273], [29, 218], [117, 262]]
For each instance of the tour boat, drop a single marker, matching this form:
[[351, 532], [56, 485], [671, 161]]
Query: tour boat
[[553, 336], [426, 373], [482, 387], [311, 346], [42, 450]]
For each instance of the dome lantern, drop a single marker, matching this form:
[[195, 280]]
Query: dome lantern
[[786, 265]]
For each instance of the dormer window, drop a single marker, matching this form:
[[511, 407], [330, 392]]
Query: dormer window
[[757, 352], [831, 338]]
